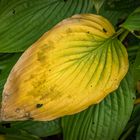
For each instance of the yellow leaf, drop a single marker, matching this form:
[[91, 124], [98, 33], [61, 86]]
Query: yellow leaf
[[74, 65]]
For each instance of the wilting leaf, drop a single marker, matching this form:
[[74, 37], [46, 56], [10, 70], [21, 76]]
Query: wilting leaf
[[103, 121], [6, 63], [72, 66]]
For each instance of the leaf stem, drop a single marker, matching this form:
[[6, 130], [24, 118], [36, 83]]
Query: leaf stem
[[124, 137], [120, 31], [123, 35]]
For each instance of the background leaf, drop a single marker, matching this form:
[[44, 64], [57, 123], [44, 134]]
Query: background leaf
[[23, 22], [138, 133], [105, 120], [122, 5], [18, 137], [131, 127], [136, 67], [41, 129], [132, 23], [98, 4], [117, 10]]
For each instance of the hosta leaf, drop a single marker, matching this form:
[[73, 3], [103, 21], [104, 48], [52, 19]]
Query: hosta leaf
[[74, 65], [133, 22], [136, 67], [98, 4], [24, 21], [138, 133], [132, 124], [105, 120], [41, 129], [122, 5], [113, 16]]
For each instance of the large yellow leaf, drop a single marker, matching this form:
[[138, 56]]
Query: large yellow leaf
[[72, 66]]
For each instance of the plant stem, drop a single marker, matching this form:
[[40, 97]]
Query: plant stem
[[123, 35], [120, 31], [124, 137]]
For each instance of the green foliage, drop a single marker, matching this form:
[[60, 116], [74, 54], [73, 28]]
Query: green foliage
[[98, 4], [41, 129], [131, 127], [22, 22], [138, 133], [16, 137], [133, 22], [122, 5], [137, 66]]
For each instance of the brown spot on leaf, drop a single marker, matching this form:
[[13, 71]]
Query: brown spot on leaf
[[104, 30], [39, 105]]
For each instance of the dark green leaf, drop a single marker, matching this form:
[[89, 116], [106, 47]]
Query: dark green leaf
[[116, 17], [132, 52], [9, 133], [105, 120], [138, 133], [113, 16], [132, 23], [131, 126], [19, 137], [117, 10], [122, 5], [41, 129], [98, 4], [24, 21], [133, 45], [136, 67], [135, 118]]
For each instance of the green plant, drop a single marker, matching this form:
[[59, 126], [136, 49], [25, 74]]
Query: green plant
[[116, 117]]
